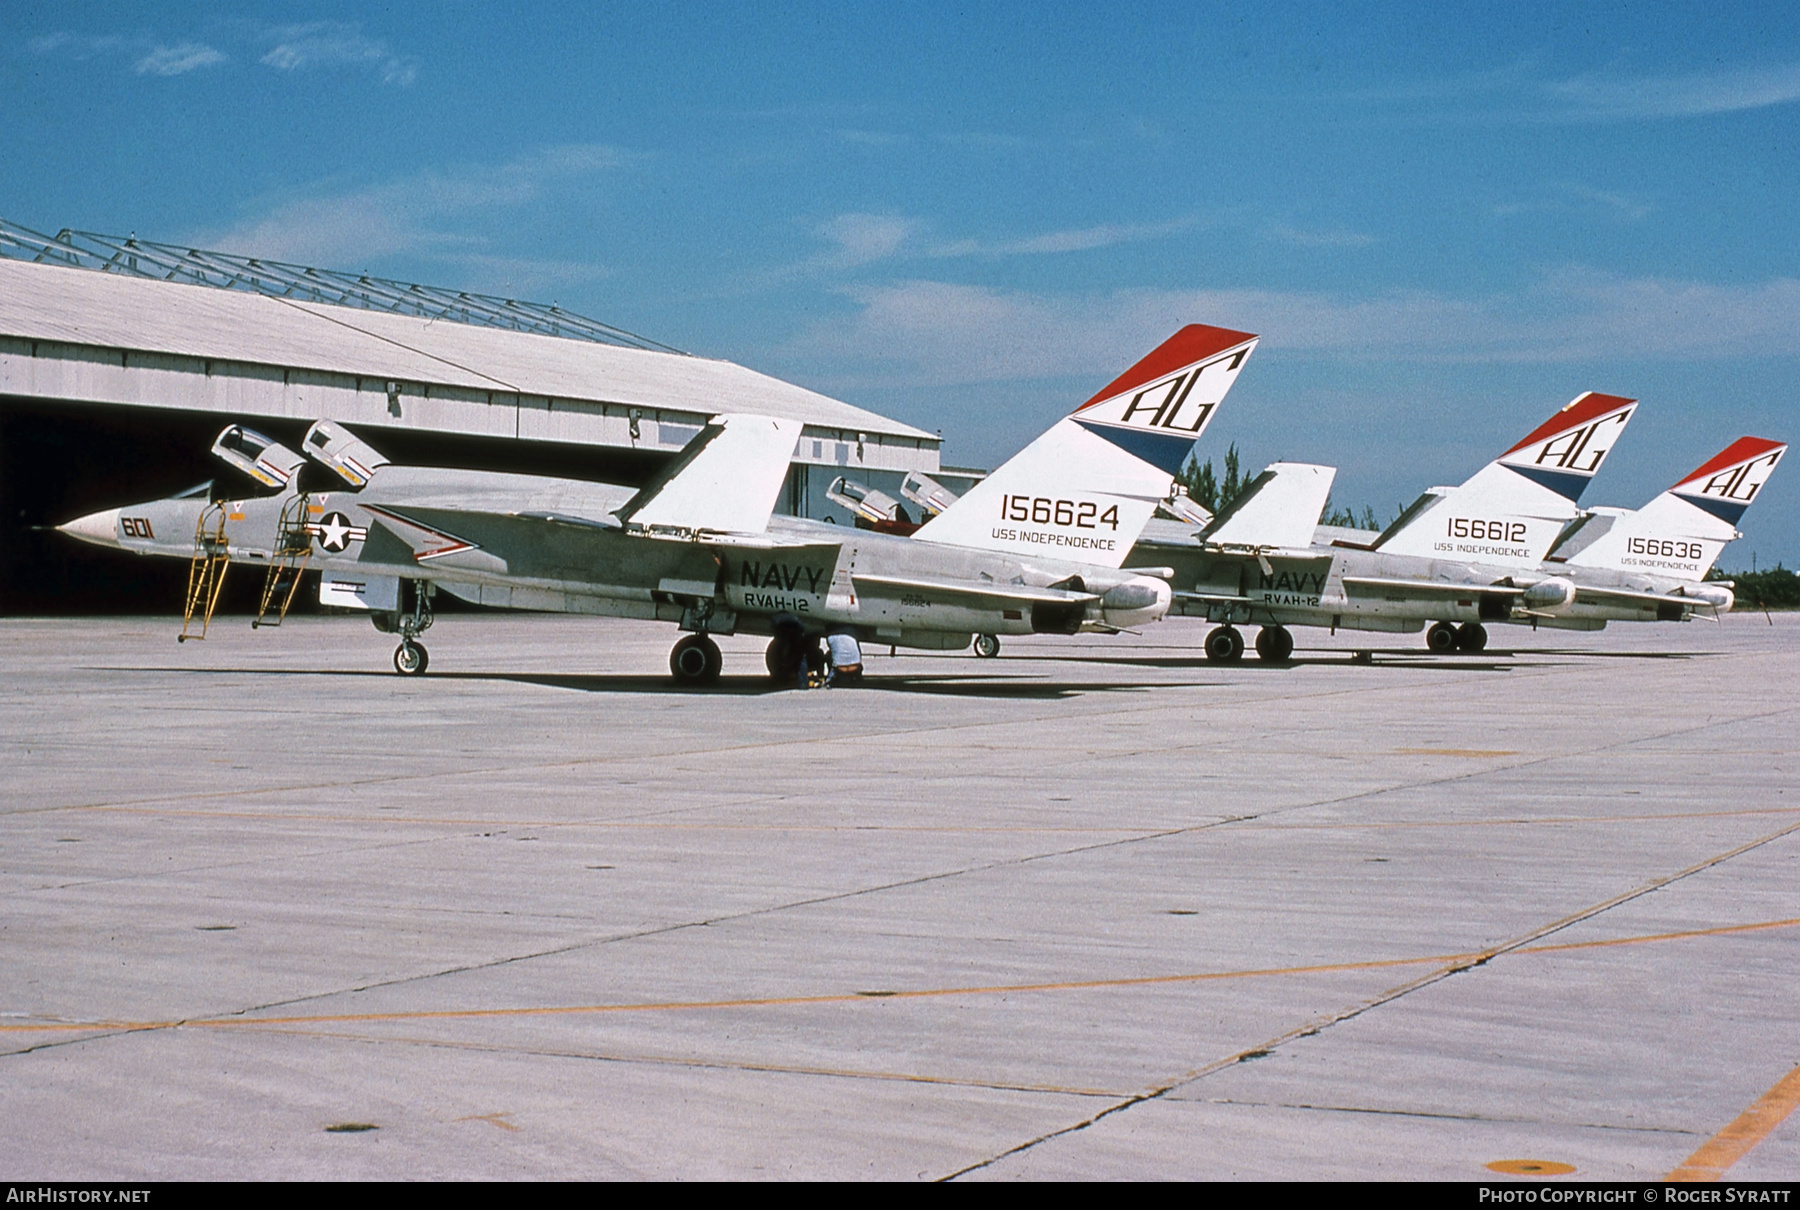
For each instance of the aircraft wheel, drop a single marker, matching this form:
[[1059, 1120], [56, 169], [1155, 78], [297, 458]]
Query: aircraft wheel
[[987, 646], [1224, 645], [782, 659], [1471, 636], [1274, 644], [696, 661], [1440, 638], [410, 658]]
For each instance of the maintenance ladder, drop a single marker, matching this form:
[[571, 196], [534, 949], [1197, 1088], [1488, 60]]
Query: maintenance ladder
[[293, 548], [206, 574]]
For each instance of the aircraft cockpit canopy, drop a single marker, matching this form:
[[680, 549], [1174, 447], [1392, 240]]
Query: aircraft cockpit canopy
[[332, 445], [263, 458]]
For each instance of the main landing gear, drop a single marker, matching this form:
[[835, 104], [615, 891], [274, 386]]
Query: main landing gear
[[1225, 645], [987, 646], [792, 657], [1274, 644], [696, 661], [1444, 637]]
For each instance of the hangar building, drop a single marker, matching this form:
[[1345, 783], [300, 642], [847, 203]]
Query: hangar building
[[122, 359]]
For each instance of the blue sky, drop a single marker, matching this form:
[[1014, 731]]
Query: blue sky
[[1445, 221]]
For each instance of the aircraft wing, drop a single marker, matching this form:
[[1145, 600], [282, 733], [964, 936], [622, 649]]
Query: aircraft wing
[[1422, 590], [967, 590], [1628, 597]]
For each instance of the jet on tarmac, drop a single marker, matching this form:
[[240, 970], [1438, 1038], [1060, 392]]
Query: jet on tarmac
[[1037, 547]]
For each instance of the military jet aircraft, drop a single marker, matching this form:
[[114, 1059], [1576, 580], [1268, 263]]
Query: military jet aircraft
[[1485, 552], [1651, 564], [1456, 557], [1038, 547]]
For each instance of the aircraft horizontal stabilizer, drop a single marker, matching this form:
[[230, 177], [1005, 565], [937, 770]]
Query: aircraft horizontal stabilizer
[[727, 478], [1278, 508]]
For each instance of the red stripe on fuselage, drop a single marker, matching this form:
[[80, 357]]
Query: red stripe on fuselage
[[1573, 415], [1196, 342]]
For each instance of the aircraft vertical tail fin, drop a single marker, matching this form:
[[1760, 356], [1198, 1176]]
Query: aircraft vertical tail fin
[[1681, 532], [1085, 489], [726, 478], [1513, 509]]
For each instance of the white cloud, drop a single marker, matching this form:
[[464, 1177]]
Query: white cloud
[[925, 333], [1335, 237], [178, 59], [1081, 239], [1728, 91], [864, 238], [347, 229], [336, 44], [1518, 93], [1561, 199]]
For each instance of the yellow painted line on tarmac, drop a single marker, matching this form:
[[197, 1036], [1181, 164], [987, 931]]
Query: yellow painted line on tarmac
[[472, 1014], [1751, 1127], [1721, 931]]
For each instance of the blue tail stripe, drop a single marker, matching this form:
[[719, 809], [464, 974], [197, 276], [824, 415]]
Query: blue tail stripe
[[1727, 511], [1164, 451], [1563, 483]]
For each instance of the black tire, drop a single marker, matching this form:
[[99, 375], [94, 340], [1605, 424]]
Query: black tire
[[1274, 644], [411, 659], [987, 646], [1471, 636], [782, 660], [695, 660], [1441, 638], [1224, 645]]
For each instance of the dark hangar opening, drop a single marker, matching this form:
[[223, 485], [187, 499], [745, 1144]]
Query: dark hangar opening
[[59, 462]]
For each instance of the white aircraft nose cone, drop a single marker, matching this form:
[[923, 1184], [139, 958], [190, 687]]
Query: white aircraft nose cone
[[102, 529]]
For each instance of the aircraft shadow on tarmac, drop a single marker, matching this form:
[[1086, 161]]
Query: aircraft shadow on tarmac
[[1260, 667], [1492, 660], [729, 686]]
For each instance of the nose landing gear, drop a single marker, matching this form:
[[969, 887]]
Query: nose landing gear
[[410, 658], [413, 618]]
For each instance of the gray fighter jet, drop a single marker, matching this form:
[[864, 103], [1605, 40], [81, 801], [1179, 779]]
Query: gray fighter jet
[[1040, 546]]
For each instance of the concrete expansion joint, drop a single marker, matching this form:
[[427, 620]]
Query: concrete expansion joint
[[1317, 1027]]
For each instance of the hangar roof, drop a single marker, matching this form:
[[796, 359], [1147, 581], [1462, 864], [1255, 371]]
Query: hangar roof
[[95, 307]]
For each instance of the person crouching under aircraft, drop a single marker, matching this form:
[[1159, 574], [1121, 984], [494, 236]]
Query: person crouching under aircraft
[[843, 659]]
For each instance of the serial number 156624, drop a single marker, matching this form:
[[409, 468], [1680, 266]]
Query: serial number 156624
[[1076, 514]]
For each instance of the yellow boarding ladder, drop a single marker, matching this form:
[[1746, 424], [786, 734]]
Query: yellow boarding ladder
[[206, 575], [293, 547]]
